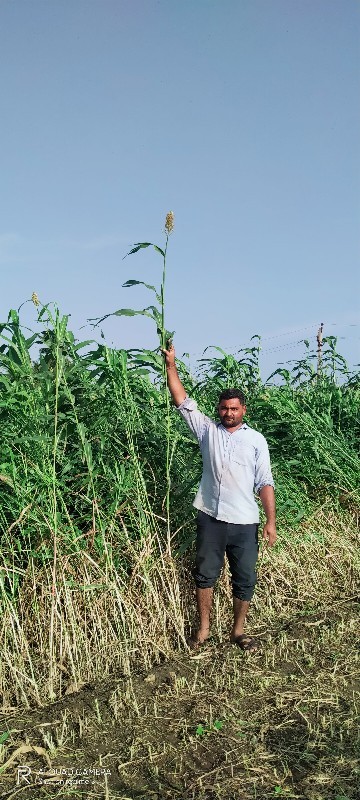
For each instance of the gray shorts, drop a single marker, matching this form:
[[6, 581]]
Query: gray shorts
[[239, 542]]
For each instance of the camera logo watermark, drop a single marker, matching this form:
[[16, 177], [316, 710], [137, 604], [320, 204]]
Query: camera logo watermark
[[60, 776], [23, 775]]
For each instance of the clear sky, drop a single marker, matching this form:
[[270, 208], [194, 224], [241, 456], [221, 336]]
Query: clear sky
[[241, 116]]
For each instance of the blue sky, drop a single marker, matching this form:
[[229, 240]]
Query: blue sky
[[241, 116]]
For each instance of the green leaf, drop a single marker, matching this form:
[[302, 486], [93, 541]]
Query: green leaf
[[31, 340], [122, 312], [43, 311], [218, 724], [138, 283], [14, 316], [155, 314], [138, 246], [128, 312], [142, 371], [200, 730], [214, 347], [4, 736], [129, 283], [141, 245], [83, 344], [152, 360]]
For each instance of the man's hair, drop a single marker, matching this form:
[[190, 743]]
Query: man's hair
[[232, 394]]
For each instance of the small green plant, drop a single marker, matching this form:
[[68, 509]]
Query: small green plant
[[3, 738], [342, 797], [201, 730]]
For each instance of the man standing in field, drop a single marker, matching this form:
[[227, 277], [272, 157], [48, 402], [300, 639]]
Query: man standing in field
[[235, 462]]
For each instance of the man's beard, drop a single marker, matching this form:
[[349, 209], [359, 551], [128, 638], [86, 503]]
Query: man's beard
[[227, 423]]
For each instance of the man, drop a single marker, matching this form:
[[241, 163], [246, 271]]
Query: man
[[235, 462]]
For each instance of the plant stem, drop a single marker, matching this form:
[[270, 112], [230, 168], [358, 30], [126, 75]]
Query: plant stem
[[167, 400], [55, 520]]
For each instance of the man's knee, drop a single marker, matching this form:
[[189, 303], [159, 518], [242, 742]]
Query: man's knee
[[244, 582], [243, 591], [242, 561], [208, 565], [205, 574]]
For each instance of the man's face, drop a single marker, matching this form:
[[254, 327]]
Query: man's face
[[231, 413]]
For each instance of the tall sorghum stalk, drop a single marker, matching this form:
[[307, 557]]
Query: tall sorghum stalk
[[57, 374], [157, 314], [169, 226]]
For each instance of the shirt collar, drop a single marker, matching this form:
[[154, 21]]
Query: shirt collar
[[244, 426]]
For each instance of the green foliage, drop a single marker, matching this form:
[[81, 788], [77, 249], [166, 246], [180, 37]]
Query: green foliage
[[341, 797], [211, 727], [90, 447], [156, 313], [225, 371]]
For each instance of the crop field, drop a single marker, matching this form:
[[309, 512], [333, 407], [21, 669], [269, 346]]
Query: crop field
[[100, 696]]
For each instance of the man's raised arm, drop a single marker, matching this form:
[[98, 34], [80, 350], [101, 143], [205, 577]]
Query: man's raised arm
[[176, 388]]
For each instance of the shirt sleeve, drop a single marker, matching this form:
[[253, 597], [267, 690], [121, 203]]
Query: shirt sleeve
[[195, 419], [263, 475]]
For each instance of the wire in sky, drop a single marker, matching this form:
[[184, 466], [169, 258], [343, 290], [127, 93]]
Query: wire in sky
[[312, 327]]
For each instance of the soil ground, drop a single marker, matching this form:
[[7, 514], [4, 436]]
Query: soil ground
[[217, 724]]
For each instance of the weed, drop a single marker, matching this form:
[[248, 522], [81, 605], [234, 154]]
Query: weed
[[212, 727]]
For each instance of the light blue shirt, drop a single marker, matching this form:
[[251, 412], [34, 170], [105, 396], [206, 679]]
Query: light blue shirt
[[234, 465]]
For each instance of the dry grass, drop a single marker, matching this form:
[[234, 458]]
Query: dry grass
[[288, 717]]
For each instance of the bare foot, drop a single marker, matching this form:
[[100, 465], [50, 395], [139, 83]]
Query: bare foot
[[234, 635], [246, 643], [198, 639]]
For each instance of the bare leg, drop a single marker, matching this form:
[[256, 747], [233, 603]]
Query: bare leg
[[240, 608], [204, 599], [237, 636]]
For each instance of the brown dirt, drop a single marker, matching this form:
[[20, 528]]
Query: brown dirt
[[215, 725]]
